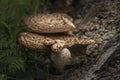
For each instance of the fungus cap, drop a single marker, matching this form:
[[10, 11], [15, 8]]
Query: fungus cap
[[50, 23], [56, 42]]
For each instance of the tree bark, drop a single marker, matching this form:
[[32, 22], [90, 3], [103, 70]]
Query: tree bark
[[90, 70]]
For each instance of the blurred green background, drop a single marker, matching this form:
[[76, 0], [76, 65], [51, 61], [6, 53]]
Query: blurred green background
[[18, 62]]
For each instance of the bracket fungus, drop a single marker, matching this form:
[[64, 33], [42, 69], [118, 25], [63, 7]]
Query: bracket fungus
[[50, 23], [57, 43]]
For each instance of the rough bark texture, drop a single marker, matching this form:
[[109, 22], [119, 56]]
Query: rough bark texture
[[104, 27]]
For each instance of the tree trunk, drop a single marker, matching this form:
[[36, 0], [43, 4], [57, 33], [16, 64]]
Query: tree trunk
[[104, 28]]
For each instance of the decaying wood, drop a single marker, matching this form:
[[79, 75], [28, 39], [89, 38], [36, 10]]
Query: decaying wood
[[101, 60], [88, 72]]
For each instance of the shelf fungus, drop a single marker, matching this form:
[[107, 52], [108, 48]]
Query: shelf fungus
[[57, 43], [51, 25]]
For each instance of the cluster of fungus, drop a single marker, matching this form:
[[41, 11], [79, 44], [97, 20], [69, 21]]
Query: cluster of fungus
[[47, 33]]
